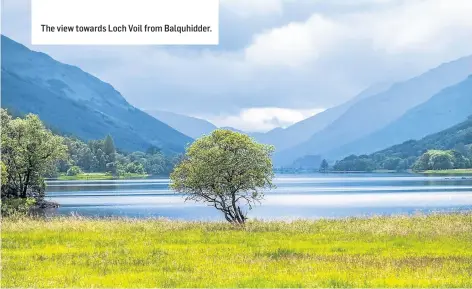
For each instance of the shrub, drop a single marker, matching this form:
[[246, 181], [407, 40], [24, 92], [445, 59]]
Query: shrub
[[74, 171], [17, 207]]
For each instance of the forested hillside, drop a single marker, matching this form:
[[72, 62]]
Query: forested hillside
[[403, 156], [445, 109], [74, 102]]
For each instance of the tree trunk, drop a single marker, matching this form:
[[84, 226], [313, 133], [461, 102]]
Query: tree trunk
[[236, 210], [243, 217], [25, 185]]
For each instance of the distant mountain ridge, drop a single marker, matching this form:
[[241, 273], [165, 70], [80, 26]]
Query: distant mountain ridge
[[445, 109], [75, 102], [191, 126], [376, 112], [301, 131]]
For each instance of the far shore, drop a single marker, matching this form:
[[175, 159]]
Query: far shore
[[107, 176], [429, 172], [101, 176], [449, 172]]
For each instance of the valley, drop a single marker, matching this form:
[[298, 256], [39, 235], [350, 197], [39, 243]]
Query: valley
[[308, 149]]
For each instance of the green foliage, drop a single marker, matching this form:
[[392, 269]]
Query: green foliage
[[109, 148], [453, 172], [99, 156], [4, 173], [393, 163], [324, 166], [383, 252], [33, 83], [29, 151], [74, 171], [441, 160], [355, 164], [17, 207], [135, 168], [227, 170], [457, 141], [461, 148], [102, 176], [461, 161]]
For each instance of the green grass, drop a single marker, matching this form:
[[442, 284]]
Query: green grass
[[101, 176], [420, 251], [450, 172], [363, 172]]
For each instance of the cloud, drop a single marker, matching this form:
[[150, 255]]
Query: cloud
[[360, 2], [263, 119], [420, 25], [409, 26], [249, 8], [277, 57], [295, 43]]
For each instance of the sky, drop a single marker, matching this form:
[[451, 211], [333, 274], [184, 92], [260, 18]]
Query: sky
[[278, 61]]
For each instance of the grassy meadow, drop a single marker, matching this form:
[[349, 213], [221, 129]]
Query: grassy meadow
[[449, 172], [419, 251]]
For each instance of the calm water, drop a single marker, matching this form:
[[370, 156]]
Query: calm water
[[296, 196]]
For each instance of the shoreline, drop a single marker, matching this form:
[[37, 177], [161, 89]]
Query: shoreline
[[76, 216], [99, 177], [458, 172]]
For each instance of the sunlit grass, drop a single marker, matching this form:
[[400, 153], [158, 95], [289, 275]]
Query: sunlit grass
[[450, 172], [420, 251]]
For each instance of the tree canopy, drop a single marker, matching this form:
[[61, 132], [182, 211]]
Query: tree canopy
[[226, 170], [4, 173], [441, 160], [29, 151], [102, 156], [324, 166], [455, 141]]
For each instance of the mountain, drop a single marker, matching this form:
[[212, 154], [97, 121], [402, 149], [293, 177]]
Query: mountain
[[375, 112], [403, 156], [307, 162], [233, 129], [457, 135], [301, 131], [251, 134], [74, 102], [445, 109], [190, 126]]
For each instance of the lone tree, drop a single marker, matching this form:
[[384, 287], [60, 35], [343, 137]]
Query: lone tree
[[226, 170]]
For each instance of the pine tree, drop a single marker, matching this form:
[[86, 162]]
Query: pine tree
[[324, 166], [109, 148]]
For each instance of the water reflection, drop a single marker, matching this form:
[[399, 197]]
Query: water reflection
[[296, 196]]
